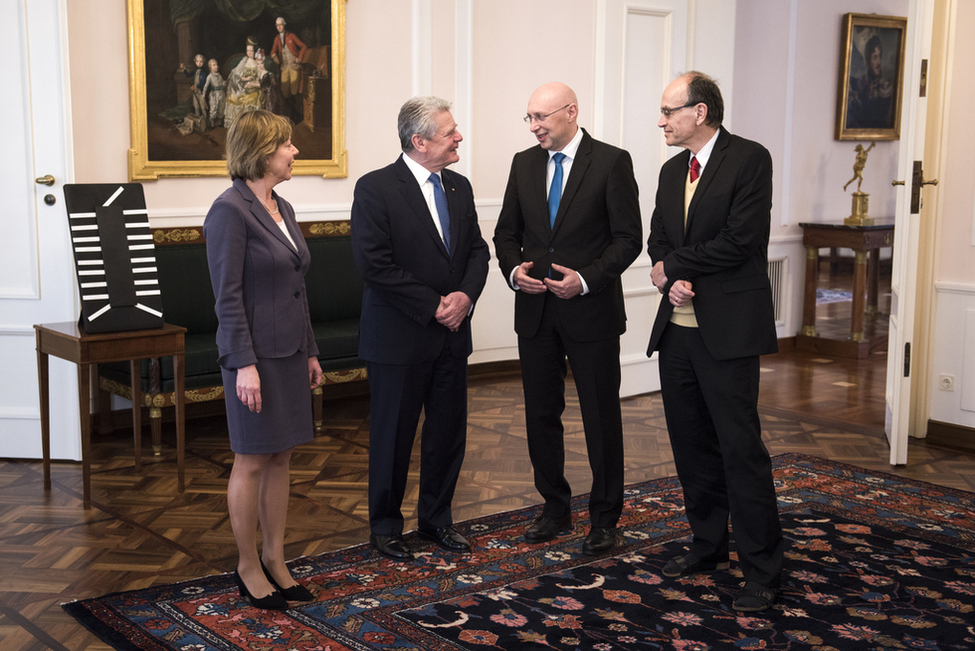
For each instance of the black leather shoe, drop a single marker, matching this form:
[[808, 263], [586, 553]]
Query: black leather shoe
[[754, 597], [297, 592], [690, 564], [599, 540], [392, 546], [447, 538], [273, 601], [545, 528]]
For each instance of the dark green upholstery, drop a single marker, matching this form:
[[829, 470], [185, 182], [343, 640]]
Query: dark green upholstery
[[334, 301]]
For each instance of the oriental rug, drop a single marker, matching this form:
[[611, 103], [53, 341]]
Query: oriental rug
[[827, 296], [873, 562]]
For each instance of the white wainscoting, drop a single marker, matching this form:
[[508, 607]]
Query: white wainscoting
[[953, 354]]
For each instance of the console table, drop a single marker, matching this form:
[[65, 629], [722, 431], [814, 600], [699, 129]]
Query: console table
[[866, 241], [68, 342]]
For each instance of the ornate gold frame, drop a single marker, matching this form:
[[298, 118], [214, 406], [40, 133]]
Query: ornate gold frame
[[851, 23], [143, 169]]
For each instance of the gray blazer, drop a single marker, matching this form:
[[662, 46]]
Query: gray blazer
[[258, 279]]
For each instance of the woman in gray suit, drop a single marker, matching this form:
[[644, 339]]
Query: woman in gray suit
[[268, 356]]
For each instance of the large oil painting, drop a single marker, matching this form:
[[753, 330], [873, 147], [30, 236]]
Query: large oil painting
[[194, 65]]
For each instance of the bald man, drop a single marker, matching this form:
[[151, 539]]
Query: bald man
[[569, 226]]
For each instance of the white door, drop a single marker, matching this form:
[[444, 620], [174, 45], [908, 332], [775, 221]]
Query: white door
[[920, 22], [37, 282], [641, 46]]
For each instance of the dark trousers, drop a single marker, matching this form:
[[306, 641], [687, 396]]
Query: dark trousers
[[724, 468], [596, 371], [399, 392]]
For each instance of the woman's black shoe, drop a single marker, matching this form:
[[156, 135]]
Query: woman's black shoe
[[297, 592], [274, 601]]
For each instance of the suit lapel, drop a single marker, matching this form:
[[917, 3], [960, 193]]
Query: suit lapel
[[261, 214], [537, 171], [718, 155], [676, 222], [579, 166], [291, 222], [413, 196]]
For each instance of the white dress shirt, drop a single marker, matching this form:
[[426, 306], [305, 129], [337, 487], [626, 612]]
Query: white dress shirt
[[422, 175]]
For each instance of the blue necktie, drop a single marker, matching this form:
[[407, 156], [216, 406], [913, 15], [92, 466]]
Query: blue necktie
[[440, 199], [555, 191]]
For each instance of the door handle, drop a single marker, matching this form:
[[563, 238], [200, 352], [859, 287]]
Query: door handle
[[917, 182], [47, 179], [923, 182]]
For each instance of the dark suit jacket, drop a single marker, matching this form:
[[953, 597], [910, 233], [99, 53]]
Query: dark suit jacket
[[406, 268], [258, 279], [724, 251], [597, 232]]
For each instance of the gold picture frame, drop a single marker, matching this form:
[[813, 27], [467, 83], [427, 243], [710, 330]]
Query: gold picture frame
[[172, 136], [871, 83]]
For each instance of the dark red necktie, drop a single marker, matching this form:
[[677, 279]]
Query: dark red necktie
[[695, 169]]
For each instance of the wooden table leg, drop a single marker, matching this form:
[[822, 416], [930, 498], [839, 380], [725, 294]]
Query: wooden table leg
[[809, 296], [43, 392], [135, 367], [84, 408], [873, 282], [859, 289], [179, 372], [155, 411]]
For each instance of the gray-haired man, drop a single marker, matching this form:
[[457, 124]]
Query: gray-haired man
[[419, 249]]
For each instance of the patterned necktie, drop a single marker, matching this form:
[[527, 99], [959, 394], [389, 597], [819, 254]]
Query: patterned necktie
[[555, 192], [440, 199], [695, 169]]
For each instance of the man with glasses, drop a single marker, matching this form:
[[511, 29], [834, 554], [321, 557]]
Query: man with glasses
[[569, 226], [709, 246]]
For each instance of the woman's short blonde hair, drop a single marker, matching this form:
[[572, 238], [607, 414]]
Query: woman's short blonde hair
[[251, 140]]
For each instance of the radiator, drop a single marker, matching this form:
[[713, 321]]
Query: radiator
[[776, 276]]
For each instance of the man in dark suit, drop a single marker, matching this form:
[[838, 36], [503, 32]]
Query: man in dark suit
[[709, 244], [569, 226], [417, 244]]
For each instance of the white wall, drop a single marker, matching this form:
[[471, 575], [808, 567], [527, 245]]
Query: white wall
[[787, 56], [953, 348], [777, 61], [486, 57]]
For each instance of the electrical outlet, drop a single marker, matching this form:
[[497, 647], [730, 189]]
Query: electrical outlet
[[947, 382]]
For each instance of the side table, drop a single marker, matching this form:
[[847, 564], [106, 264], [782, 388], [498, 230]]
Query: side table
[[68, 342], [864, 240]]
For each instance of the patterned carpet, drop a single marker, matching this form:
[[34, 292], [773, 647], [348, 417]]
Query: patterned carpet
[[874, 562], [827, 296]]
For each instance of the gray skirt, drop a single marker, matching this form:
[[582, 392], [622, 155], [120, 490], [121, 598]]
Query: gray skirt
[[285, 419]]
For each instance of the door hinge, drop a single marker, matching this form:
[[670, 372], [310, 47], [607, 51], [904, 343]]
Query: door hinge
[[907, 359], [924, 79]]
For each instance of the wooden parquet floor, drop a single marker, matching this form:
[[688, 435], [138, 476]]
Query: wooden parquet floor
[[141, 532]]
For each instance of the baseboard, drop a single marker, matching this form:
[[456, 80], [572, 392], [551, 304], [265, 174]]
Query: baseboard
[[957, 437], [493, 370], [787, 343]]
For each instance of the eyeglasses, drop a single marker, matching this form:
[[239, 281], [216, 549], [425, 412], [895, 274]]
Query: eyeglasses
[[667, 112], [541, 118]]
